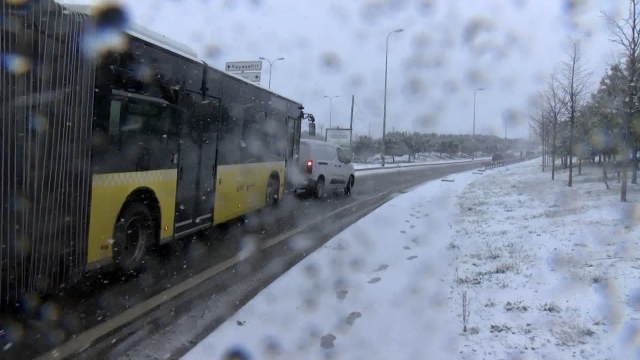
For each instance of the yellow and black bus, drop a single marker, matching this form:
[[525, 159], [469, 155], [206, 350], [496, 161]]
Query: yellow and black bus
[[102, 157]]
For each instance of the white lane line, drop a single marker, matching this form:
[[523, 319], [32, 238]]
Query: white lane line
[[87, 338]]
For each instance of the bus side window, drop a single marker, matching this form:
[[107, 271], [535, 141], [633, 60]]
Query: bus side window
[[114, 117]]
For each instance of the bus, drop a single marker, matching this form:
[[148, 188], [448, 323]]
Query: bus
[[104, 157]]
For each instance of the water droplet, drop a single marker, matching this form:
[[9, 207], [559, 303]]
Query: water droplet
[[19, 2], [211, 50], [38, 122], [15, 63], [14, 331], [49, 311], [107, 34], [237, 353], [331, 61]]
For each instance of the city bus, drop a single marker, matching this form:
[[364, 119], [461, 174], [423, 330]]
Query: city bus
[[104, 157]]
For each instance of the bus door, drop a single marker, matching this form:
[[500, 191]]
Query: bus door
[[210, 121], [196, 165]]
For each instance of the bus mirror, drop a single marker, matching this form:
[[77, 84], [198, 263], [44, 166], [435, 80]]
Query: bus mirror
[[312, 129]]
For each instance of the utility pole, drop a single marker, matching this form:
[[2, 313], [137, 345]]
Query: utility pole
[[331, 106], [474, 119], [353, 101], [384, 115]]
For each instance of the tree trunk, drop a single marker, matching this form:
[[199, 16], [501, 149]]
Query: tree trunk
[[570, 182], [634, 160], [605, 163], [580, 166]]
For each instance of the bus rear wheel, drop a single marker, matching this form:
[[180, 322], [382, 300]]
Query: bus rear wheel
[[133, 236], [273, 187]]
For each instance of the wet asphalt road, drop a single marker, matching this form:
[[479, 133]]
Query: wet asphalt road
[[100, 296]]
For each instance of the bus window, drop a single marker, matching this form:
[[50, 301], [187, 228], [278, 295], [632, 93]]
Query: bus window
[[114, 117]]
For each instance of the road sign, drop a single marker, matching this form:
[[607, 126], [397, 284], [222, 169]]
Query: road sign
[[243, 66], [339, 137], [251, 76]]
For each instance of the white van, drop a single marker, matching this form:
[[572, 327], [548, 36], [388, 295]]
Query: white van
[[323, 167]]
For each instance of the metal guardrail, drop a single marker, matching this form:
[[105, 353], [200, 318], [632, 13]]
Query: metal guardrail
[[499, 163], [410, 165]]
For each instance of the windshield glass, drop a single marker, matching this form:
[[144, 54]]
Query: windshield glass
[[286, 179]]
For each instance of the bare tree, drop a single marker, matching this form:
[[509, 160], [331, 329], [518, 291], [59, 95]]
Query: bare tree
[[575, 79], [537, 125], [626, 33], [555, 101], [540, 125]]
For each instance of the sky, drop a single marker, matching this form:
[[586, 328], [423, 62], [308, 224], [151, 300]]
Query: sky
[[448, 48]]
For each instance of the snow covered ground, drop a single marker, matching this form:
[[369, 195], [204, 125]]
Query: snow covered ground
[[548, 272]]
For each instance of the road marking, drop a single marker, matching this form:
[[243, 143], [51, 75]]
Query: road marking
[[85, 339]]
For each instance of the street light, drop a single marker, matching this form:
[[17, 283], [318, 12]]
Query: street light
[[270, 66], [330, 106], [474, 109], [474, 117], [384, 116]]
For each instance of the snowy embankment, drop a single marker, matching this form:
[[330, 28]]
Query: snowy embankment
[[547, 272]]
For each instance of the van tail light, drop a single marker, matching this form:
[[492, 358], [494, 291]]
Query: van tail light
[[309, 166]]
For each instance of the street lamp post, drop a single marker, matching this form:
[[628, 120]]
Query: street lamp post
[[384, 116], [474, 117], [330, 106], [270, 66]]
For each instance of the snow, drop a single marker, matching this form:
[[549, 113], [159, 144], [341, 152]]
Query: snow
[[550, 272]]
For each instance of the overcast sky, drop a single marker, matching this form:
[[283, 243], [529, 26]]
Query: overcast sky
[[448, 48]]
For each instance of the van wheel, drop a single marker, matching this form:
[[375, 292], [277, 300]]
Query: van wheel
[[320, 190], [132, 237], [347, 190], [273, 187]]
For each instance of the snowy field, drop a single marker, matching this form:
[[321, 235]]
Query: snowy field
[[552, 272], [547, 272]]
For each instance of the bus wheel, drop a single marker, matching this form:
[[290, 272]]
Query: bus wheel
[[133, 235], [273, 186]]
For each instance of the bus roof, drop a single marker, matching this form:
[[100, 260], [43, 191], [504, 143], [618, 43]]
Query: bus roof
[[169, 44]]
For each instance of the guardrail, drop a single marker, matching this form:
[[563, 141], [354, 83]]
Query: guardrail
[[499, 163], [409, 165]]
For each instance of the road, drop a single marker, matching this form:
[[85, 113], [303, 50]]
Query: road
[[125, 316]]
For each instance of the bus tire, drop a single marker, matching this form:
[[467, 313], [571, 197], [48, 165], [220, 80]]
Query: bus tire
[[273, 188], [133, 235]]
